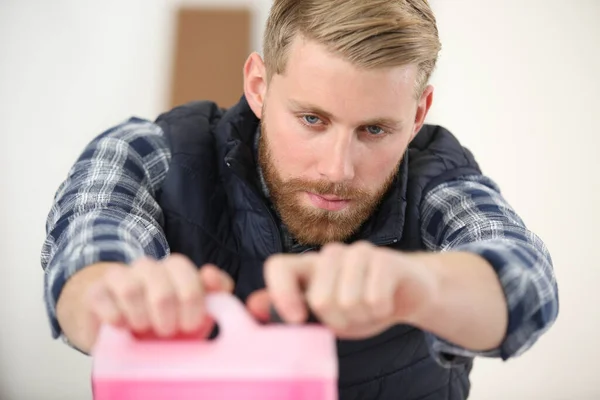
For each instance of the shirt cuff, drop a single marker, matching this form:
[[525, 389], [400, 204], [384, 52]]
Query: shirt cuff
[[449, 355]]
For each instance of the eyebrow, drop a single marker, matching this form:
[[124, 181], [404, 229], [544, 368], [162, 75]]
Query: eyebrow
[[298, 106]]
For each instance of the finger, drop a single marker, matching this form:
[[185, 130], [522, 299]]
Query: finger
[[380, 286], [215, 279], [321, 293], [259, 305], [351, 284], [284, 276], [128, 291], [190, 293], [102, 305], [206, 326], [161, 297]]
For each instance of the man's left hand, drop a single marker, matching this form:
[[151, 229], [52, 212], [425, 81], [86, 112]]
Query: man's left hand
[[356, 290]]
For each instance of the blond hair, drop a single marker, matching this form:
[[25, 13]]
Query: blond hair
[[367, 33]]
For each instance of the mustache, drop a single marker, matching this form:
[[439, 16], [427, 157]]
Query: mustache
[[324, 188]]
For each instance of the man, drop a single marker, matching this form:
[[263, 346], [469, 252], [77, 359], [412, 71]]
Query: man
[[322, 190]]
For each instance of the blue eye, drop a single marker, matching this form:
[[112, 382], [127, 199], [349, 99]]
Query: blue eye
[[375, 130], [311, 119]]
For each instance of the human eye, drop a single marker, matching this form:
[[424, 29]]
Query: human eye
[[310, 120], [375, 130]]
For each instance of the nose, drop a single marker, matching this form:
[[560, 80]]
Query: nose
[[336, 163]]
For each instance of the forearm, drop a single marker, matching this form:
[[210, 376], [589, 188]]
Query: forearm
[[507, 303], [468, 306]]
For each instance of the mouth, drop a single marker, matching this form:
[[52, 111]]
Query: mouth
[[328, 202]]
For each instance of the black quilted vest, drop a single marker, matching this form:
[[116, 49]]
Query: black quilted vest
[[216, 213]]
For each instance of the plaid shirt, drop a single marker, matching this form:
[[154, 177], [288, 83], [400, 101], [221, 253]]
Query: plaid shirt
[[105, 210]]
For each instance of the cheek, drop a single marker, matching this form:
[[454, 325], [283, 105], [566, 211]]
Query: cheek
[[292, 153], [375, 168]]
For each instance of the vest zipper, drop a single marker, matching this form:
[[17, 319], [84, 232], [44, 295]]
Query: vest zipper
[[379, 243], [386, 242], [275, 227]]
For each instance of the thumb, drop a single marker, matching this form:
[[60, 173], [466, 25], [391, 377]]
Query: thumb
[[259, 305], [214, 279]]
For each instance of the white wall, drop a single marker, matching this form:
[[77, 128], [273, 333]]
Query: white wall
[[517, 83]]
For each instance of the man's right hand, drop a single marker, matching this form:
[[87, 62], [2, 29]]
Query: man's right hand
[[162, 298]]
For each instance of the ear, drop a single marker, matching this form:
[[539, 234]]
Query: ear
[[255, 83], [422, 109]]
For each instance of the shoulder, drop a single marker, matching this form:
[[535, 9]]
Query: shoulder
[[189, 128], [436, 156], [475, 191], [436, 143], [134, 137], [131, 129]]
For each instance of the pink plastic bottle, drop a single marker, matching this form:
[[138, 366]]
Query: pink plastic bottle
[[246, 361]]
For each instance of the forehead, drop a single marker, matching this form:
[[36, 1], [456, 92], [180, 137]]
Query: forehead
[[315, 75]]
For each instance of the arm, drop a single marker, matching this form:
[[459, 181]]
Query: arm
[[469, 307], [497, 291], [104, 212]]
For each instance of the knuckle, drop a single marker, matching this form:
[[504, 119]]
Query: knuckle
[[95, 294], [273, 260], [180, 260], [272, 264], [376, 303], [362, 245], [190, 298], [164, 300], [334, 247], [360, 254], [113, 275], [378, 267], [373, 301], [348, 305], [380, 256], [320, 305], [143, 262], [183, 273], [130, 290], [349, 301]]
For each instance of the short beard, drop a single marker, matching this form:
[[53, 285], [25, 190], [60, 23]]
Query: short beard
[[313, 226]]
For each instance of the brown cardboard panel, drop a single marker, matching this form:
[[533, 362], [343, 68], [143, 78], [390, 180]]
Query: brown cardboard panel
[[210, 50]]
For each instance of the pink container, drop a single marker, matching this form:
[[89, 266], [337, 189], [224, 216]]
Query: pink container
[[246, 361]]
